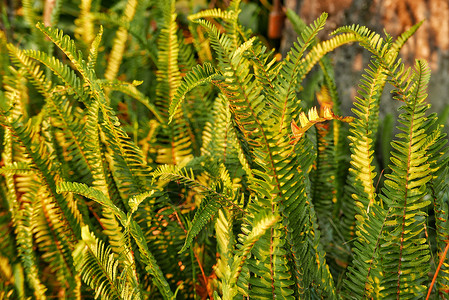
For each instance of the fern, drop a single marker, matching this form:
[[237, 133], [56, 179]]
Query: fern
[[403, 192], [198, 76], [100, 270], [214, 173], [119, 42], [130, 224]]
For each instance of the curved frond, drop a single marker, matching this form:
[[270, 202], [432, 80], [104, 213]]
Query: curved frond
[[217, 13], [197, 76], [64, 72], [313, 118], [131, 90]]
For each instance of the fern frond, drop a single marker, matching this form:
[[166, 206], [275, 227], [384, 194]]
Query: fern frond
[[47, 169], [135, 201], [90, 193], [118, 48], [51, 237], [225, 249], [67, 45], [33, 72], [186, 176], [168, 74], [15, 168], [217, 13], [21, 217], [25, 248], [126, 157], [129, 169], [64, 72], [368, 39], [84, 26], [197, 76], [403, 192], [179, 135], [131, 90], [131, 225], [100, 270], [207, 210], [29, 12], [288, 75], [313, 118], [60, 109], [93, 51], [262, 222], [219, 138]]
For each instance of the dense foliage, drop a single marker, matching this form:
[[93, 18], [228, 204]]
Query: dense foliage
[[146, 155]]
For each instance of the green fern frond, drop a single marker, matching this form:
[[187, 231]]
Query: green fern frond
[[186, 176], [126, 157], [262, 222], [221, 43], [265, 69], [64, 72], [207, 210], [21, 217], [16, 168], [403, 193], [93, 51], [288, 74], [130, 224], [33, 71], [271, 274], [370, 224], [219, 138], [90, 193], [67, 45], [100, 270], [197, 76], [225, 249], [129, 169], [243, 94], [179, 136], [25, 248], [169, 77], [29, 12], [59, 107], [47, 169], [131, 90], [368, 39]]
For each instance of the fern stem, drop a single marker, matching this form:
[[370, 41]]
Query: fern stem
[[442, 258]]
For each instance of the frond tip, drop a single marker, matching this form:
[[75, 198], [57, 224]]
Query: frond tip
[[311, 119]]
